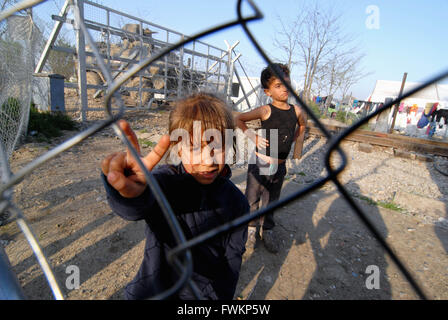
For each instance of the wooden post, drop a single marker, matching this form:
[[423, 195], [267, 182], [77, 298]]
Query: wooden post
[[397, 105]]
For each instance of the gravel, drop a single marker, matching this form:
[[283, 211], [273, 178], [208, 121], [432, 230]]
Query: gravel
[[377, 174], [373, 173]]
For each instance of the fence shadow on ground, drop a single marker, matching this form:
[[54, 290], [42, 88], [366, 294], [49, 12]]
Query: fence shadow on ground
[[317, 260], [440, 173], [91, 260]]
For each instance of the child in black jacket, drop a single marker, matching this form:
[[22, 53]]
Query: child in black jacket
[[199, 192]]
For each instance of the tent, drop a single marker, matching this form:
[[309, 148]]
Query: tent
[[385, 89]]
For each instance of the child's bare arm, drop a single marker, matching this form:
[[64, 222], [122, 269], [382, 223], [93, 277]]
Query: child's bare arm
[[122, 170], [301, 120], [300, 132], [260, 113]]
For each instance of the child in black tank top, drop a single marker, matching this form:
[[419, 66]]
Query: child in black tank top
[[282, 124], [285, 122]]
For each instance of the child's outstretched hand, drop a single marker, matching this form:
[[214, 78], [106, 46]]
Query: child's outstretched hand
[[261, 142], [122, 170]]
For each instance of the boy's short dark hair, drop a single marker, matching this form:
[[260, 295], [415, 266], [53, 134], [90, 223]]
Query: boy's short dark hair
[[268, 74]]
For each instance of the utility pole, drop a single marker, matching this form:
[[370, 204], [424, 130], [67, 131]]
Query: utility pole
[[397, 105]]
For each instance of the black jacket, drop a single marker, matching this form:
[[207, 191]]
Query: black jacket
[[198, 208]]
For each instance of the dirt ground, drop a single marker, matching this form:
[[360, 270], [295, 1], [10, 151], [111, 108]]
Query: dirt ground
[[326, 250]]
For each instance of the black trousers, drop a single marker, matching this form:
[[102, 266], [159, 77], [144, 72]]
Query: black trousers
[[263, 188]]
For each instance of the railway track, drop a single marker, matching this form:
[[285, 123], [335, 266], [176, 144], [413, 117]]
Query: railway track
[[416, 147]]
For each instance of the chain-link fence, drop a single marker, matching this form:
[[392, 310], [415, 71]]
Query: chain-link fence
[[180, 256], [18, 42]]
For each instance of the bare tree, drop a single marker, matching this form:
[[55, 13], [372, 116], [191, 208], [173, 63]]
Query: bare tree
[[341, 70], [326, 54], [319, 38], [287, 40], [320, 81], [350, 73], [7, 3], [4, 4]]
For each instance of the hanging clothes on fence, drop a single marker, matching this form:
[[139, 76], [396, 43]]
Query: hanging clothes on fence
[[431, 128], [425, 118], [441, 115], [414, 109]]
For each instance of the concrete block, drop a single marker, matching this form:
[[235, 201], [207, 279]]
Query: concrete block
[[404, 154], [365, 147], [424, 158]]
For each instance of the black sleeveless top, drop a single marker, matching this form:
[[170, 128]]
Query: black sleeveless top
[[284, 121]]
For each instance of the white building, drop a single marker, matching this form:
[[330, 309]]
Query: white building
[[251, 94]]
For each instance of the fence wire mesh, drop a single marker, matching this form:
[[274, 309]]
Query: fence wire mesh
[[124, 40], [180, 255], [19, 39]]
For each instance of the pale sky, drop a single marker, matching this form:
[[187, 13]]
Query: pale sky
[[410, 35]]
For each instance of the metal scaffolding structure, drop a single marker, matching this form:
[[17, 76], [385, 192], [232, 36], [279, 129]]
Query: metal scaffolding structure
[[123, 42]]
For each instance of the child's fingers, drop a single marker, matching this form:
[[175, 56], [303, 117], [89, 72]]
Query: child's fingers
[[118, 162], [130, 134], [157, 153], [106, 162], [125, 186], [262, 142], [265, 142], [114, 167]]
